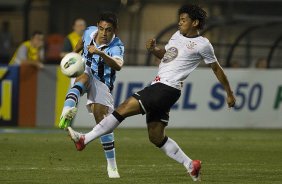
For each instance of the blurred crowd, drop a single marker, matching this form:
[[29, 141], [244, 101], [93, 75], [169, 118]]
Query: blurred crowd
[[6, 42], [49, 49], [259, 63], [40, 48]]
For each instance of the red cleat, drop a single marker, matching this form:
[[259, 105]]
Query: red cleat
[[195, 173], [77, 138]]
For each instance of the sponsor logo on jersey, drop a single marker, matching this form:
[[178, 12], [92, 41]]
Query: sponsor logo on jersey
[[191, 45], [170, 55]]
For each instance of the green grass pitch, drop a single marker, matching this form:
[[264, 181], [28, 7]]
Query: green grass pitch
[[228, 156]]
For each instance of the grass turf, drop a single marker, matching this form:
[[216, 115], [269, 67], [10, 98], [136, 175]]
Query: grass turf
[[228, 156]]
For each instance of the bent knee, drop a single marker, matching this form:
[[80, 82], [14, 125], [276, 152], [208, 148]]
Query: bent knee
[[129, 107], [156, 140], [99, 118]]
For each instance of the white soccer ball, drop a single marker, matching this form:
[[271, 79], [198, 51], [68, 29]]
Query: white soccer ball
[[72, 65]]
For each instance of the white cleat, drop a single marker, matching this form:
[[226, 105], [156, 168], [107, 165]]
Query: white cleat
[[66, 117], [75, 136], [69, 113], [113, 173]]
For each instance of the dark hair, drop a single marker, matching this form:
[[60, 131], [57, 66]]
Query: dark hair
[[109, 17], [195, 13], [36, 33]]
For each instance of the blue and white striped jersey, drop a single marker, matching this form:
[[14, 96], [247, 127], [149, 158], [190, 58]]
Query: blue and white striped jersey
[[100, 69]]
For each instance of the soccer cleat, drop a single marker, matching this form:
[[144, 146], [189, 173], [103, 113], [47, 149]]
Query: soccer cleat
[[77, 138], [64, 123], [66, 117], [113, 173], [195, 173]]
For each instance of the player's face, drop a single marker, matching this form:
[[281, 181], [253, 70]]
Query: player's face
[[106, 32], [38, 40], [186, 25]]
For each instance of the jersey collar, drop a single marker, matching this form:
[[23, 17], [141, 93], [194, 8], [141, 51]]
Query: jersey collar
[[93, 36]]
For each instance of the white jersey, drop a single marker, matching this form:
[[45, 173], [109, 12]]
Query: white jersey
[[182, 56]]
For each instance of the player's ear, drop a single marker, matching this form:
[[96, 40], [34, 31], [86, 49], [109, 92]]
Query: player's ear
[[195, 23]]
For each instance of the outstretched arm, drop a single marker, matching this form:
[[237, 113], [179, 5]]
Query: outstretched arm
[[114, 63], [151, 47], [219, 73]]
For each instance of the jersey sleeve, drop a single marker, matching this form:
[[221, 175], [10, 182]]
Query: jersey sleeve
[[173, 37], [21, 54], [117, 52], [207, 53]]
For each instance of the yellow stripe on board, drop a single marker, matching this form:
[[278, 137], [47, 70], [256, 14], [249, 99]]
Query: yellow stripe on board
[[62, 86], [6, 98], [3, 71]]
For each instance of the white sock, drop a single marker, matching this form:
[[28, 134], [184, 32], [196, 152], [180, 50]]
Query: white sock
[[172, 150], [112, 163], [107, 125]]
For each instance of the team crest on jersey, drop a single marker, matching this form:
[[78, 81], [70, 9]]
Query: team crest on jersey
[[170, 55], [191, 45]]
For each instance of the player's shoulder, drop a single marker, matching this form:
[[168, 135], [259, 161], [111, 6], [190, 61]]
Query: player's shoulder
[[199, 39], [176, 35], [89, 32], [91, 29], [26, 44], [116, 42], [202, 41]]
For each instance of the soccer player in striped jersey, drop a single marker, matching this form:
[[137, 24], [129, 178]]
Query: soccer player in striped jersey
[[103, 53], [183, 53]]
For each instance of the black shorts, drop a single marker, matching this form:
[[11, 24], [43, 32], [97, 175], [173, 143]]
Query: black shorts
[[156, 101]]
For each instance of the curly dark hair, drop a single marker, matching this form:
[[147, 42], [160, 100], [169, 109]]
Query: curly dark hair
[[109, 17], [195, 13]]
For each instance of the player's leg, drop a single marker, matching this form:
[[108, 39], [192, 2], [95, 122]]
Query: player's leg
[[71, 101], [100, 111], [156, 131], [138, 103], [158, 118], [128, 108], [99, 94]]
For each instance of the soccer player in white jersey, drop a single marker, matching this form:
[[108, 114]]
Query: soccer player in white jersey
[[103, 52], [183, 53]]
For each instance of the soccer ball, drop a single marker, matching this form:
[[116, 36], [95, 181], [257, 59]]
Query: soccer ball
[[72, 65]]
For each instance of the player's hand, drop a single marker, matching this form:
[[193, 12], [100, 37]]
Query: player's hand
[[36, 64], [40, 65], [151, 44], [231, 100], [93, 49]]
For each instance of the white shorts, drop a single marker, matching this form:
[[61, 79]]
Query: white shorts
[[98, 92]]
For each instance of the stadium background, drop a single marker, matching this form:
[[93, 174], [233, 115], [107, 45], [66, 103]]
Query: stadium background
[[242, 31], [242, 145], [239, 30]]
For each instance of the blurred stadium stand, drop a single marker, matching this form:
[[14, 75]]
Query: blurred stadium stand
[[241, 30]]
